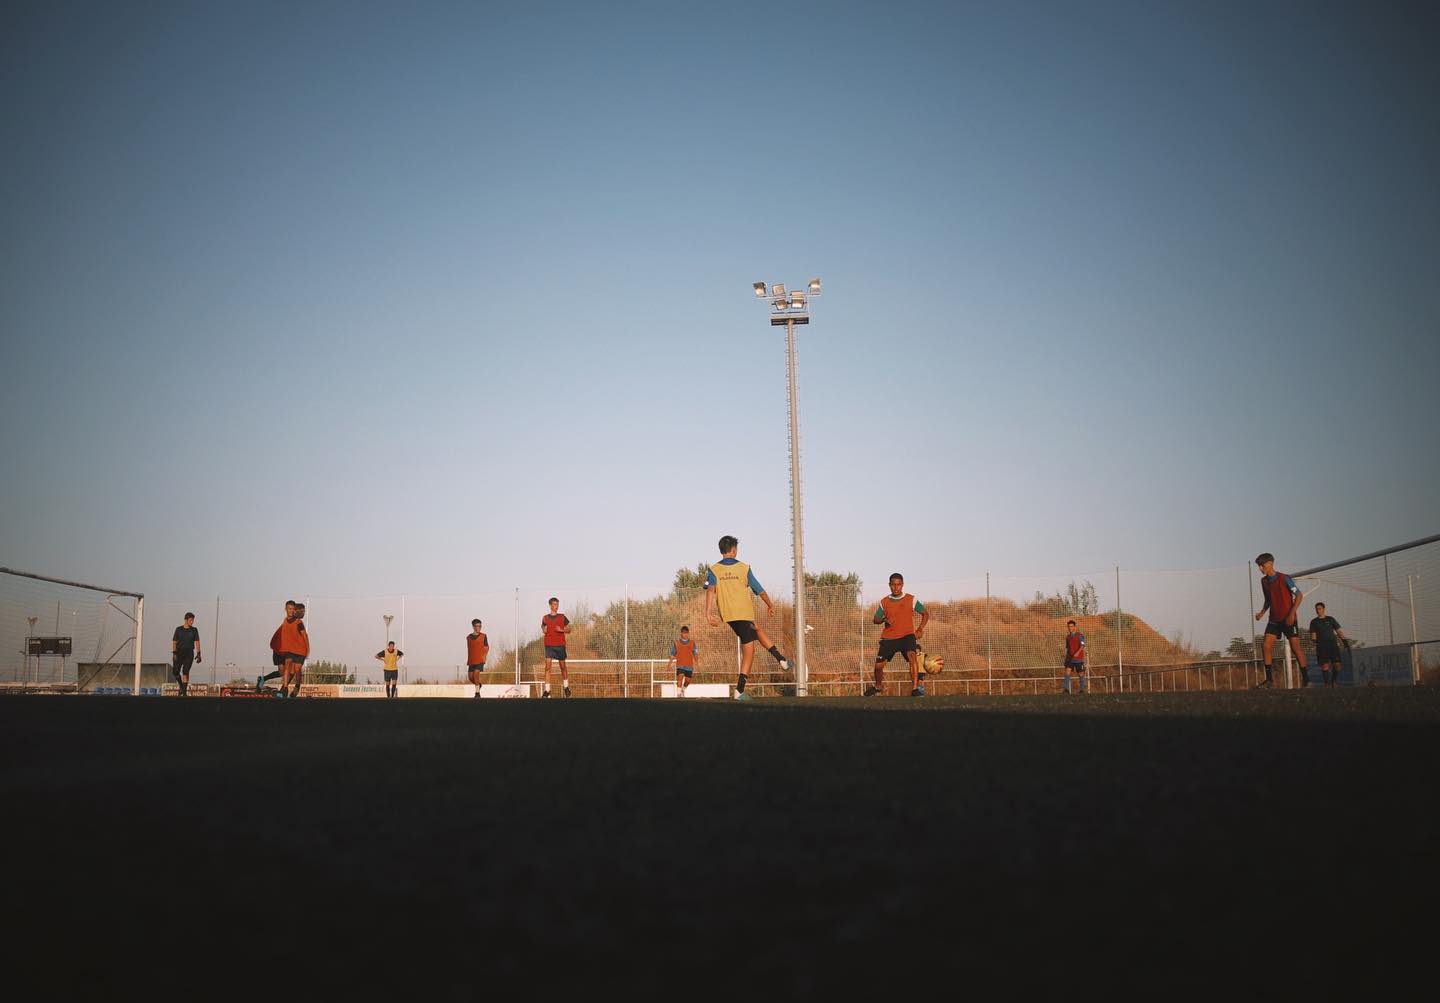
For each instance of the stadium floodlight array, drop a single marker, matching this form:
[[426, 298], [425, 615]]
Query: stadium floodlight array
[[62, 635], [787, 311]]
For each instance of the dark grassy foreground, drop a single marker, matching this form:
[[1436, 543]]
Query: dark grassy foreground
[[413, 849]]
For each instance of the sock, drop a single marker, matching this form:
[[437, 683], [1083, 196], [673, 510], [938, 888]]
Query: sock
[[547, 687], [1067, 684], [740, 684], [1082, 684], [775, 652], [1269, 672], [1304, 675], [273, 675]]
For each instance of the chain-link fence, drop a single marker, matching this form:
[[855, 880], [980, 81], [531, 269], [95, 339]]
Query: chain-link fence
[[1144, 630]]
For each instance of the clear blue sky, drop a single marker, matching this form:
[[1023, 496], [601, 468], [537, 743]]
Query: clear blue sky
[[378, 298]]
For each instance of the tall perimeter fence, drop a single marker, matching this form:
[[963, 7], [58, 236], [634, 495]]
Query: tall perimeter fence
[[999, 634]]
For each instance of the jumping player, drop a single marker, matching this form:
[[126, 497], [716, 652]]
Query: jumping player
[[1075, 655], [275, 656], [900, 636], [294, 648], [1325, 632], [477, 650], [391, 656], [555, 625], [730, 584], [184, 652], [682, 660], [1282, 599]]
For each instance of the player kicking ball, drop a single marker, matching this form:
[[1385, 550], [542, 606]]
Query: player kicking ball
[[900, 636], [1282, 599], [682, 660], [729, 586]]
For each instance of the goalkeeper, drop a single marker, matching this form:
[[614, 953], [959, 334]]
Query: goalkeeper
[[1327, 636], [900, 636]]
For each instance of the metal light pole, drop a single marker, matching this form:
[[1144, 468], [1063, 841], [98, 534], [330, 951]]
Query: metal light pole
[[25, 678], [787, 310], [1414, 634], [387, 617]]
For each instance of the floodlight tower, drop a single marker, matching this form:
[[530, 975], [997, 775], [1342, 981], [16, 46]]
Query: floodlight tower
[[388, 617], [787, 310]]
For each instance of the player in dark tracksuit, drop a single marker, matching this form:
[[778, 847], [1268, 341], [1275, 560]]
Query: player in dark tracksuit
[[1282, 599], [184, 652], [1326, 633]]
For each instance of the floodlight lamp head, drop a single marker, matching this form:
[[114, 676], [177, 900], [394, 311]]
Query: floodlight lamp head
[[778, 291], [797, 300], [814, 287], [760, 290], [779, 304]]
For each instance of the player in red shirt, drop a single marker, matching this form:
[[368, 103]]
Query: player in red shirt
[[555, 626], [1282, 599]]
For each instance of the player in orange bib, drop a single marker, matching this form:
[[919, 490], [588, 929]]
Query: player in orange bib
[[294, 648], [900, 636], [682, 660], [477, 650], [275, 652]]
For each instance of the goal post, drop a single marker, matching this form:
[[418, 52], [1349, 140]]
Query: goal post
[[59, 634]]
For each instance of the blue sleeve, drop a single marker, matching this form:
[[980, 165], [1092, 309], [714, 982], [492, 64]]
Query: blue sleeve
[[697, 649], [710, 579], [672, 650], [755, 585], [1290, 584]]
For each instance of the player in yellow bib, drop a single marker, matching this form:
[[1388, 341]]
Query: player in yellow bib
[[390, 656], [730, 585]]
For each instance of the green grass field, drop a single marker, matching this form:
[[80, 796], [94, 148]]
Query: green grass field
[[781, 848]]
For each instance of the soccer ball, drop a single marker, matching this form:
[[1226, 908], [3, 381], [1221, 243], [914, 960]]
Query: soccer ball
[[932, 665]]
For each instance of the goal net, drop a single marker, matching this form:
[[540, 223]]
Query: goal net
[[59, 636]]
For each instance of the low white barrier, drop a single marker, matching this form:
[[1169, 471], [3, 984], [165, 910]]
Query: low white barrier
[[701, 691]]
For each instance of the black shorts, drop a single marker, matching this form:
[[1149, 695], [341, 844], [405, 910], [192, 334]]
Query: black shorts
[[391, 675], [688, 670], [1074, 666], [277, 659], [892, 646], [476, 668], [744, 629], [182, 660], [554, 651], [1280, 629], [1326, 653]]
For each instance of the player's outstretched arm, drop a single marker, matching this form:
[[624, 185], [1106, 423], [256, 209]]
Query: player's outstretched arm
[[710, 617]]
